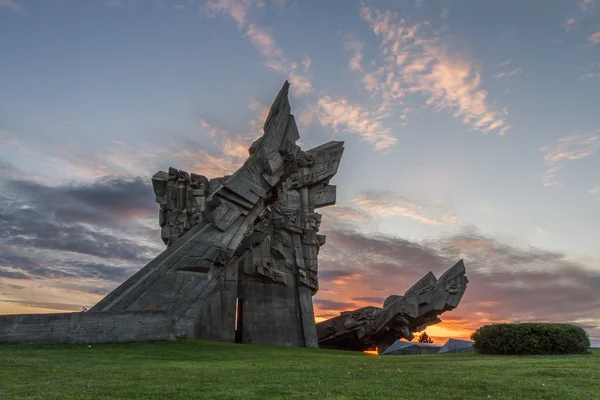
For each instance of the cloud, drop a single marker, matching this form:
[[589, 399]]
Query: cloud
[[592, 71], [51, 306], [107, 200], [332, 275], [595, 38], [387, 204], [346, 214], [232, 150], [565, 149], [12, 4], [236, 9], [510, 73], [331, 305], [45, 265], [94, 219], [377, 300], [357, 54], [41, 295], [74, 241], [124, 160], [590, 75], [117, 159], [586, 5], [417, 62], [570, 24], [264, 42], [9, 139], [341, 115], [9, 172], [234, 147], [595, 189]]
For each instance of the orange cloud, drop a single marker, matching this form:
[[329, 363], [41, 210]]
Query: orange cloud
[[341, 115]]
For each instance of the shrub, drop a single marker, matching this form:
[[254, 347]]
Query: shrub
[[531, 339], [424, 338]]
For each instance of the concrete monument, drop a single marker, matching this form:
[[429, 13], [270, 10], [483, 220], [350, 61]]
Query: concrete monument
[[372, 328], [241, 257], [241, 262]]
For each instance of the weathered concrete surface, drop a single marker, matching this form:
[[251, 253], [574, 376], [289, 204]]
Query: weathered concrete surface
[[241, 258], [373, 327], [86, 327]]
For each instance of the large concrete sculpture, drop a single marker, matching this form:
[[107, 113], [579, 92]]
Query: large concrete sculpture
[[241, 257], [372, 328], [241, 262]]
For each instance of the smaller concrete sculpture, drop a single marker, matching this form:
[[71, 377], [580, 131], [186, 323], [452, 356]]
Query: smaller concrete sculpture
[[373, 327]]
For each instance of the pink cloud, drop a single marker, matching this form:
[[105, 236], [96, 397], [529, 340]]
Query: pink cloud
[[341, 115], [335, 214], [566, 149], [570, 24], [386, 204], [417, 62]]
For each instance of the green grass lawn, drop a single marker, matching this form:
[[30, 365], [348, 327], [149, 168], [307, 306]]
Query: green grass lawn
[[206, 370]]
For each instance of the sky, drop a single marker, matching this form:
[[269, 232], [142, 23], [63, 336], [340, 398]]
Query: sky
[[471, 131]]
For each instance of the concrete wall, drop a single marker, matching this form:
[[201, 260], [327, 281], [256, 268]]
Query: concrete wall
[[86, 327]]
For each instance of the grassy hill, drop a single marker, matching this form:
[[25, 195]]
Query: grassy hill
[[208, 370]]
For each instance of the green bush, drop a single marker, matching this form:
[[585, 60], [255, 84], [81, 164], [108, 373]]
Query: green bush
[[530, 339]]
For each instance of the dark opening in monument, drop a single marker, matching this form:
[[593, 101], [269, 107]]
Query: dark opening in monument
[[239, 318]]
